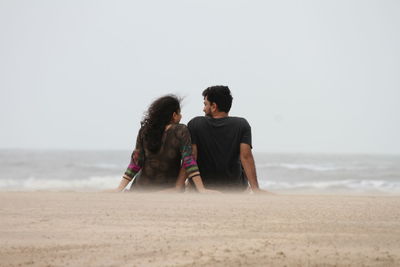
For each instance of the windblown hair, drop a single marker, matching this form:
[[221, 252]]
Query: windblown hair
[[220, 95], [157, 117]]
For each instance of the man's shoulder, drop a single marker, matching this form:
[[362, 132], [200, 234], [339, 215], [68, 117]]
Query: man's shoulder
[[240, 120], [234, 118], [200, 121], [196, 120]]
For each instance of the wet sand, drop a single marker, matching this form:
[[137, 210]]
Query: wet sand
[[128, 229]]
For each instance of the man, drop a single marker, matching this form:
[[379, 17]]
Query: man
[[222, 144]]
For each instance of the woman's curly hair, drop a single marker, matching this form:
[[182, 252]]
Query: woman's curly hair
[[157, 117]]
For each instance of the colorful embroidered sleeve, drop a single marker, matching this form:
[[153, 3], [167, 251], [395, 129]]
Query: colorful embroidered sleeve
[[188, 161], [137, 159]]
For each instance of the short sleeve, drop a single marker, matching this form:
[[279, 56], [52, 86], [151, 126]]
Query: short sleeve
[[246, 133]]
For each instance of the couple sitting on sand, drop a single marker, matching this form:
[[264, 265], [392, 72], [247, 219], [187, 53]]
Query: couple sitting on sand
[[212, 152]]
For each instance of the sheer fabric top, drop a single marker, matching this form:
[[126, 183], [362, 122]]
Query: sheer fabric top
[[160, 170]]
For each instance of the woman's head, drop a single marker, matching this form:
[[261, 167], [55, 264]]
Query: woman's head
[[162, 111]]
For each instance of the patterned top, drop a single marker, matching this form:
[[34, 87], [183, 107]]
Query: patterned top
[[160, 170]]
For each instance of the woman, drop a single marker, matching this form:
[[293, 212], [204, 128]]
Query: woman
[[163, 146]]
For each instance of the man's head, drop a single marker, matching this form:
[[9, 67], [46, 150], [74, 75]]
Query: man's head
[[217, 99]]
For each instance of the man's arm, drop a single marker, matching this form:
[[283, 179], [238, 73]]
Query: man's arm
[[194, 151], [247, 159]]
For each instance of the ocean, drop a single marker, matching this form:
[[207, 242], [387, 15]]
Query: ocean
[[88, 171]]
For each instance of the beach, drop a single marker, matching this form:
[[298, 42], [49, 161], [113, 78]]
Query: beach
[[131, 229]]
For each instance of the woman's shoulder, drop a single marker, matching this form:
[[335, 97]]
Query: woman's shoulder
[[180, 130], [179, 127]]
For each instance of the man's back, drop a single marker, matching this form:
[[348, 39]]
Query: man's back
[[218, 150]]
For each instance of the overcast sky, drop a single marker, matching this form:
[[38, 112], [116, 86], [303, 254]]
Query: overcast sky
[[309, 76]]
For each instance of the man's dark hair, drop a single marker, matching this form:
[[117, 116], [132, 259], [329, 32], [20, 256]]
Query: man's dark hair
[[220, 95]]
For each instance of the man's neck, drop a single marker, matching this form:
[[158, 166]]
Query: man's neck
[[220, 115]]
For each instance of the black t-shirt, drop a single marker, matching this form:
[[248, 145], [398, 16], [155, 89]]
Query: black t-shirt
[[218, 150]]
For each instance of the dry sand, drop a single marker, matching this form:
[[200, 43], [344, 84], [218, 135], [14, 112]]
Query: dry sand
[[128, 229]]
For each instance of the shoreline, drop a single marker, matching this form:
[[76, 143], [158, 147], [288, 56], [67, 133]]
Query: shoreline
[[113, 229]]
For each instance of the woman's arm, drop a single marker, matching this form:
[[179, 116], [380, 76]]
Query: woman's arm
[[124, 182], [136, 164]]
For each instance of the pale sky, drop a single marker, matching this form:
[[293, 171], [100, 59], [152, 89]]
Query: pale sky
[[309, 76]]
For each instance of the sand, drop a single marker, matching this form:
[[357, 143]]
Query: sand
[[128, 229]]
